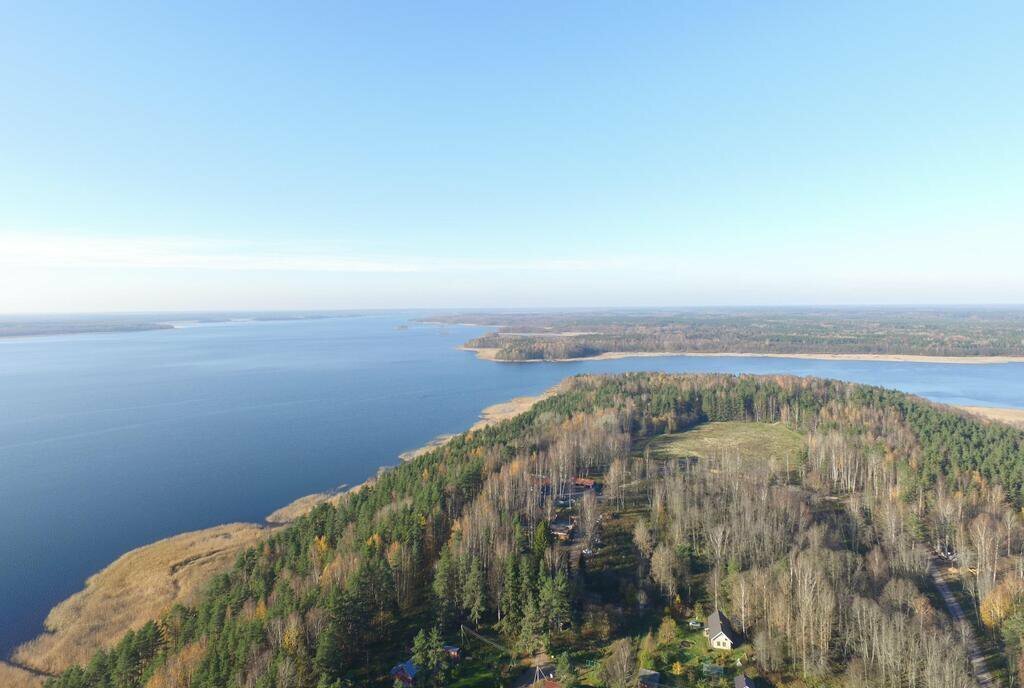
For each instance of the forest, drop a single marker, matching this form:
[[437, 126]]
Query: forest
[[588, 541], [883, 331]]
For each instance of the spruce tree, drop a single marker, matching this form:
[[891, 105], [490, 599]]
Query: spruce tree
[[509, 605], [446, 596], [473, 594], [531, 635]]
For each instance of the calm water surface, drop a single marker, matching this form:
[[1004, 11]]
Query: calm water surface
[[111, 441]]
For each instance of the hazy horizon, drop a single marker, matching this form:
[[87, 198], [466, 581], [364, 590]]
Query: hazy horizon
[[469, 310]]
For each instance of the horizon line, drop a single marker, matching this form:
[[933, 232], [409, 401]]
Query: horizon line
[[522, 309]]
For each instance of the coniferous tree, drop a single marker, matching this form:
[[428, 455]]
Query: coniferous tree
[[541, 540], [421, 650], [509, 605], [438, 666], [329, 659], [565, 672], [446, 594], [531, 634], [473, 594], [559, 608]]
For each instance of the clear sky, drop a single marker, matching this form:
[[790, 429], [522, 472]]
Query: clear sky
[[218, 155]]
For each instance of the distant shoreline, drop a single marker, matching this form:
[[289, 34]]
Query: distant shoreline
[[24, 329], [490, 354]]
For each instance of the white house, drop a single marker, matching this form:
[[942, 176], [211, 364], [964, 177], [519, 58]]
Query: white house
[[719, 632]]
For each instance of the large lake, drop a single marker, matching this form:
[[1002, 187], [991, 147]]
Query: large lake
[[111, 441]]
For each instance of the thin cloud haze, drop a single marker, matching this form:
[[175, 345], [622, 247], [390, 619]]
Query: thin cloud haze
[[70, 252]]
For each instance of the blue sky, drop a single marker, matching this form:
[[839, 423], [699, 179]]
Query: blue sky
[[273, 155]]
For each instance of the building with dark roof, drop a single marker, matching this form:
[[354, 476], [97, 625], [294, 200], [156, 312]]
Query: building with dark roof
[[719, 632], [405, 672], [742, 682]]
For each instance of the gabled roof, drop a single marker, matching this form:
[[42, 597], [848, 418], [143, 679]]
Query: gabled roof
[[406, 667], [562, 524], [719, 623], [742, 682]]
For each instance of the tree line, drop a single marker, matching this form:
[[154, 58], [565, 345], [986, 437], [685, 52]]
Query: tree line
[[927, 332]]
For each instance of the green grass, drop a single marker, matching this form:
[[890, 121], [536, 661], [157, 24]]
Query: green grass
[[754, 441], [481, 667]]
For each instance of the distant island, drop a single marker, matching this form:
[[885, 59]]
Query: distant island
[[41, 328], [38, 326], [983, 334]]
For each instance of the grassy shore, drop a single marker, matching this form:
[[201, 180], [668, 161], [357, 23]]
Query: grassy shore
[[1012, 416], [137, 587], [146, 581], [16, 677]]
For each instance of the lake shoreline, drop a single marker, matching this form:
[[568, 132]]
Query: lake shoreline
[[490, 354], [180, 565], [1010, 416], [177, 567]]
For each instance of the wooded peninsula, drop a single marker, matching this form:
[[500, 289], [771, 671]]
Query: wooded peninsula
[[926, 332], [640, 529]]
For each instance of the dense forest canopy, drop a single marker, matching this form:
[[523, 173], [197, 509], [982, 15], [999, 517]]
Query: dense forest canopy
[[919, 331], [560, 532]]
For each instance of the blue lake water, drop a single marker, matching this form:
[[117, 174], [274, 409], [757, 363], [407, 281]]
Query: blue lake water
[[111, 441]]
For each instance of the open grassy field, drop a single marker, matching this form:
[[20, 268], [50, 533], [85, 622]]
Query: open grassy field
[[758, 441]]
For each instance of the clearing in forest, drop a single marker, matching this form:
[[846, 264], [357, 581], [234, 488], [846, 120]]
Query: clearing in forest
[[733, 439]]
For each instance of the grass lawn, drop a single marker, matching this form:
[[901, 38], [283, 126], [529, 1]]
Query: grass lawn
[[481, 667], [753, 441], [697, 654]]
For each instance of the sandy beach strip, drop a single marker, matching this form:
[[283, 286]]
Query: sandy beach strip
[[490, 354]]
